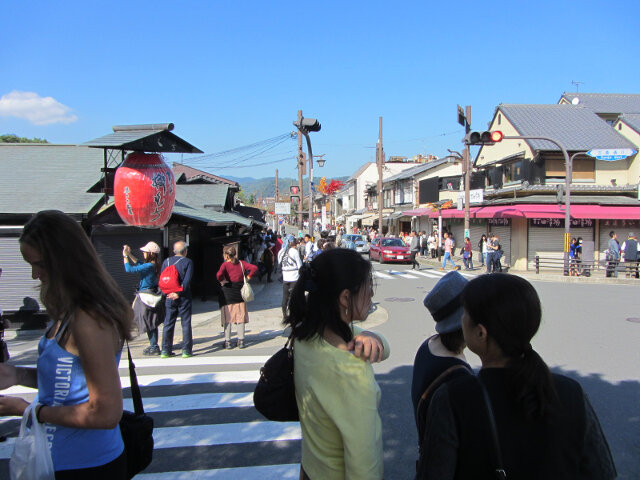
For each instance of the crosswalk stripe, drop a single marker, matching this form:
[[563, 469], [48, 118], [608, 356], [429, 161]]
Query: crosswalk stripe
[[221, 434], [428, 275], [170, 379], [382, 275], [267, 472], [200, 401], [207, 435], [406, 275], [197, 360]]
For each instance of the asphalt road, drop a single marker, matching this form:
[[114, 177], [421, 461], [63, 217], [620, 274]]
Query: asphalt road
[[588, 333]]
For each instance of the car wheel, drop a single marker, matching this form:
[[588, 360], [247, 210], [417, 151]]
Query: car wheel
[[381, 259]]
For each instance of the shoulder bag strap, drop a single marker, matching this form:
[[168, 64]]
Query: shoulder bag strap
[[500, 473], [135, 388], [244, 277]]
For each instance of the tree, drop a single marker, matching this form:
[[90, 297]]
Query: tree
[[11, 138]]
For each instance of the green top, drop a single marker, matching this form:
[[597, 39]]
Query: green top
[[338, 401]]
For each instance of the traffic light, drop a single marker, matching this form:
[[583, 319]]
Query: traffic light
[[483, 138], [294, 190], [308, 125]]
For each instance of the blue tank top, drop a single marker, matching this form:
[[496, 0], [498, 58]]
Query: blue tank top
[[61, 381]]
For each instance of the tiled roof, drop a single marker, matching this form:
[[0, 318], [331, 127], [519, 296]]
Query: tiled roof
[[38, 177], [190, 172], [577, 128], [606, 102], [632, 119], [191, 201], [410, 172], [145, 138]]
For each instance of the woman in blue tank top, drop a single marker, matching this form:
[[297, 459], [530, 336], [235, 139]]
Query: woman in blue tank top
[[79, 392]]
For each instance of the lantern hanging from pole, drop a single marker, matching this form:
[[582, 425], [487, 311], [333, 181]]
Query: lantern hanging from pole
[[144, 190]]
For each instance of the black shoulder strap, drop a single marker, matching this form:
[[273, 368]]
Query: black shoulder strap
[[421, 413], [500, 473], [135, 389]]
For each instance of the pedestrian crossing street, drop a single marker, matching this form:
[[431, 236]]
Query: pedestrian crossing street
[[409, 274], [205, 424]]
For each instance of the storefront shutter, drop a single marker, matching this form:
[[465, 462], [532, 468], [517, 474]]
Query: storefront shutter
[[548, 243], [17, 288]]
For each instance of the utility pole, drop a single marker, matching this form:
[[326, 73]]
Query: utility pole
[[277, 189], [467, 174], [380, 163], [300, 172]]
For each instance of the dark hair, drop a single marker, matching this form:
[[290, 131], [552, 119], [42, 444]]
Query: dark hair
[[612, 233], [324, 279], [153, 257], [453, 341], [231, 252], [509, 308], [77, 279], [307, 236]]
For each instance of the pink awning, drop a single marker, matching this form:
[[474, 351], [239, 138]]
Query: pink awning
[[545, 211]]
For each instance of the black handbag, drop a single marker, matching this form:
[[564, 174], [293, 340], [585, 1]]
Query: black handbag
[[275, 393], [137, 429]]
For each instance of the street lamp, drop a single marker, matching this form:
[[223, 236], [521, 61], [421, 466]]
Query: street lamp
[[306, 125]]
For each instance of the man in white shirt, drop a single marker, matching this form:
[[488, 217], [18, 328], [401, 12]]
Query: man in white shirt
[[290, 262]]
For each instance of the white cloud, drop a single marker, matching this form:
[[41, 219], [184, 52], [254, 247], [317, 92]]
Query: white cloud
[[38, 110]]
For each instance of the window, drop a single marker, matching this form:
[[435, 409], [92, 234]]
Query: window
[[451, 183], [388, 199], [513, 172]]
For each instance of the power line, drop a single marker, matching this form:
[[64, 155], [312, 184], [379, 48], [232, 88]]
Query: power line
[[255, 145]]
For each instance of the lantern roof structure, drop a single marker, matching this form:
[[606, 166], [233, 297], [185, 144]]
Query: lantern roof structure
[[155, 137]]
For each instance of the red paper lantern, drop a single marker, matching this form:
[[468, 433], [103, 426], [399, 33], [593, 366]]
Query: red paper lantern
[[144, 190]]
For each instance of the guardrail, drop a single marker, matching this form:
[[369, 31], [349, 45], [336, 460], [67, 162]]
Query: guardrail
[[587, 268]]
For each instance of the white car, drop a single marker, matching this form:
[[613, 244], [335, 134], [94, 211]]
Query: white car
[[356, 242]]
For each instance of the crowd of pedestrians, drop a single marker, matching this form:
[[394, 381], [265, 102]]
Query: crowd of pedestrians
[[512, 418]]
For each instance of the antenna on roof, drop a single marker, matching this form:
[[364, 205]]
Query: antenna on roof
[[577, 83]]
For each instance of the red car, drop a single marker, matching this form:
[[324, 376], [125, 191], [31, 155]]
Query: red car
[[389, 250]]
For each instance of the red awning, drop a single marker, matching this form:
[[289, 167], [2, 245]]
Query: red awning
[[545, 211]]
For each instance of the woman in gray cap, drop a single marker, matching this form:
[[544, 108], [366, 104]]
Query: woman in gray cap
[[516, 419], [440, 358]]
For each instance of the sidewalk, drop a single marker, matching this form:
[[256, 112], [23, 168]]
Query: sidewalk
[[264, 330], [546, 276]]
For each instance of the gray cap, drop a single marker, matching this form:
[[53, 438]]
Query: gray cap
[[445, 304]]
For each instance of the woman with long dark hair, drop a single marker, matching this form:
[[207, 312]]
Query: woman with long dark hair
[[148, 305], [544, 423], [336, 391], [90, 320], [233, 309]]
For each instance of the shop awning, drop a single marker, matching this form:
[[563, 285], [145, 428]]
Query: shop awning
[[418, 212], [597, 212]]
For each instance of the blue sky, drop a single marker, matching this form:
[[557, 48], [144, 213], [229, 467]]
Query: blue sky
[[229, 74]]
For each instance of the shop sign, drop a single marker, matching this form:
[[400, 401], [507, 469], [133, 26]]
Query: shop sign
[[559, 222], [499, 222]]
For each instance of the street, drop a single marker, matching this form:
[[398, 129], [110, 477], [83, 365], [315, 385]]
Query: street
[[206, 426]]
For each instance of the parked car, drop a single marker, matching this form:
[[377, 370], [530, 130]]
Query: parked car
[[388, 249], [356, 242]]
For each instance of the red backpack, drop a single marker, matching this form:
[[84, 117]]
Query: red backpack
[[169, 281]]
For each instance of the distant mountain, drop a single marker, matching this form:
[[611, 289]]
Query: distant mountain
[[266, 187]]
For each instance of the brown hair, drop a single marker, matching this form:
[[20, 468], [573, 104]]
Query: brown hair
[[231, 252], [76, 278]]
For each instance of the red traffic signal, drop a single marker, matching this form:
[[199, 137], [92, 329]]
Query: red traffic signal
[[294, 189], [483, 138]]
